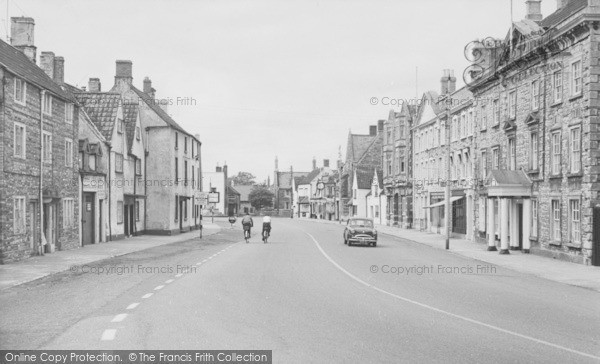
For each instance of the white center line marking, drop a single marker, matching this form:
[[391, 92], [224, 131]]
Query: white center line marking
[[556, 346], [108, 334], [205, 260], [133, 305], [147, 295], [169, 281], [159, 287], [178, 275], [120, 317]]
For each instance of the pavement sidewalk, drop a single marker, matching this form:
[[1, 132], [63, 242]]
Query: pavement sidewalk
[[555, 270], [37, 267]]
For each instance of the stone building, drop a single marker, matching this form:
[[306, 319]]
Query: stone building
[[431, 156], [119, 124], [173, 159], [39, 176], [539, 134], [397, 166], [284, 184], [376, 201], [361, 151]]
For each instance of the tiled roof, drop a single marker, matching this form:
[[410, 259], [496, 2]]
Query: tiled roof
[[244, 192], [312, 175], [359, 145], [130, 112], [102, 108], [563, 13], [506, 177], [159, 111], [18, 63], [372, 155], [285, 178], [232, 190], [364, 178]]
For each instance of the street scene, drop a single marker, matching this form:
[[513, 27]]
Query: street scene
[[300, 181]]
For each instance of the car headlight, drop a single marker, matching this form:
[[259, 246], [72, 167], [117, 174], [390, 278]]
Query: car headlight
[[351, 231], [374, 232]]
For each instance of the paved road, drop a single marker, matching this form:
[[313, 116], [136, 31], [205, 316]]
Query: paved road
[[309, 298]]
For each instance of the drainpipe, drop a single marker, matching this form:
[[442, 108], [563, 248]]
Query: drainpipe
[[109, 146], [146, 152], [42, 94]]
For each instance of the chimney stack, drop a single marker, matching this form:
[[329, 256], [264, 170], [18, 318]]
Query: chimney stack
[[380, 124], [448, 82], [219, 169], [373, 130], [147, 85], [326, 163], [124, 71], [561, 3], [314, 163], [94, 85], [59, 70], [47, 63], [22, 36], [534, 10]]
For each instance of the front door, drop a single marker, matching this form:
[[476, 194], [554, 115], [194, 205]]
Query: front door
[[181, 215], [87, 221], [596, 237], [132, 218], [126, 215], [459, 222], [49, 227]]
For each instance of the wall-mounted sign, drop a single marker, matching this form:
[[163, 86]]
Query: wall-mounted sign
[[214, 197]]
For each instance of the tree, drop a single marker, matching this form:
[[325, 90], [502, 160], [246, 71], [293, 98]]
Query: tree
[[261, 197], [243, 179]]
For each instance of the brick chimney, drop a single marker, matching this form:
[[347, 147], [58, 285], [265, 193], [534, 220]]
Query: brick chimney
[[561, 3], [22, 36], [448, 82], [147, 85], [326, 163], [219, 169], [59, 70], [534, 10], [124, 71], [314, 163], [380, 124], [373, 130], [47, 63], [94, 85]]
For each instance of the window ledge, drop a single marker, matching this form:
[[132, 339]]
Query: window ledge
[[555, 243], [573, 245], [575, 97], [483, 130], [534, 171], [573, 175], [496, 126], [556, 103], [533, 238], [555, 176]]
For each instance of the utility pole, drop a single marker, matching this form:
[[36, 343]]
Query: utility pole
[[448, 168]]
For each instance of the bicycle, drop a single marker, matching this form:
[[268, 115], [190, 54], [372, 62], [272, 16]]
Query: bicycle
[[247, 234], [265, 235]]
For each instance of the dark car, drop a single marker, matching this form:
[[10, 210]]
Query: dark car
[[360, 231]]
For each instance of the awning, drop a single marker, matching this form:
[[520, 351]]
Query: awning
[[443, 203], [133, 195]]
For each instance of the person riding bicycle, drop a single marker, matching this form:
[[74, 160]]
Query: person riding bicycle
[[247, 223], [266, 225]]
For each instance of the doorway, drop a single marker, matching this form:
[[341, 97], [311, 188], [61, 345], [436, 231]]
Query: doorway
[[50, 227], [596, 237], [88, 219], [520, 225]]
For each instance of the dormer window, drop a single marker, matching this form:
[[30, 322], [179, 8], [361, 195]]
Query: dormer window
[[120, 126]]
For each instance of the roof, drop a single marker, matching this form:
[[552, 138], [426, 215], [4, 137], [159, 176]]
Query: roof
[[244, 191], [506, 177], [102, 109], [311, 176], [563, 13], [231, 190], [364, 178], [16, 62], [284, 179], [130, 112], [159, 111], [357, 145], [303, 200]]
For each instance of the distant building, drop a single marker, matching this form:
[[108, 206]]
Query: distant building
[[245, 206], [216, 184]]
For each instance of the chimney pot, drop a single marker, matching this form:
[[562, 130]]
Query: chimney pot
[[94, 85], [59, 70], [22, 36], [47, 63]]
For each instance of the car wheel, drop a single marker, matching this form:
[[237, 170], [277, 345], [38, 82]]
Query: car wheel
[[374, 245], [349, 243]]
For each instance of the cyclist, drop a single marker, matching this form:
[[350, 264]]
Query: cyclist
[[266, 226], [247, 223]]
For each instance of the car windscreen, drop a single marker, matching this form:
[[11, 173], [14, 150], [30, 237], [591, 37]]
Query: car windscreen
[[361, 223]]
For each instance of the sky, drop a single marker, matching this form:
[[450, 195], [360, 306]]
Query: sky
[[269, 78]]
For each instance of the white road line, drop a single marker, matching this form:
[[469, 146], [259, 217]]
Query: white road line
[[205, 260], [120, 317], [199, 263], [496, 328], [159, 287], [178, 275], [133, 305], [108, 334], [169, 281], [147, 295]]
